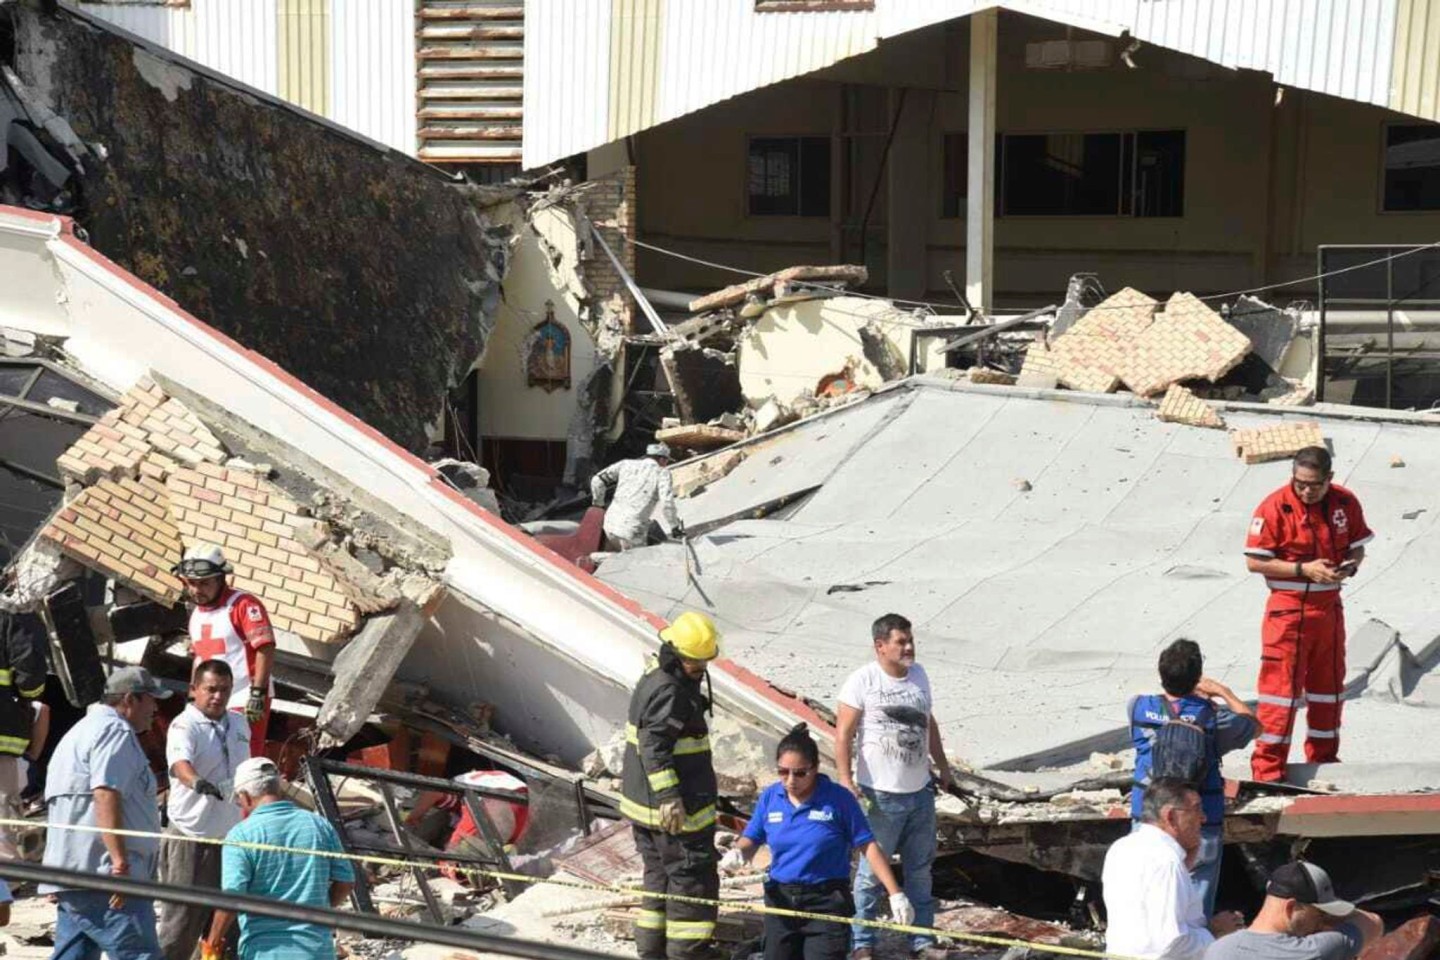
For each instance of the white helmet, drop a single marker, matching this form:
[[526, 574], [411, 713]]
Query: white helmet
[[202, 561], [658, 450]]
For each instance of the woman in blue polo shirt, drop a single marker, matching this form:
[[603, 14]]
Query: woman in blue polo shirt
[[811, 825]]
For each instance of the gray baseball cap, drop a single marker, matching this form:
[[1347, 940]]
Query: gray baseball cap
[[1306, 883], [135, 680]]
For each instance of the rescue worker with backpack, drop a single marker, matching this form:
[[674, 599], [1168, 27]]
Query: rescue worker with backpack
[[1181, 734], [669, 793]]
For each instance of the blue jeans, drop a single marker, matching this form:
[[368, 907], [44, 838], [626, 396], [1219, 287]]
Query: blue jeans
[[903, 823], [1206, 872], [1205, 875], [85, 924]]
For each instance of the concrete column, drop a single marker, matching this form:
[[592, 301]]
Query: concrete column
[[980, 200], [911, 202], [364, 669]]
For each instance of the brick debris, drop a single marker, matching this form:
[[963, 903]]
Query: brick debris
[[1279, 442]]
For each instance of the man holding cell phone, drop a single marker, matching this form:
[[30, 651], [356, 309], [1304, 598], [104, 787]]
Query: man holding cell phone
[[1306, 539]]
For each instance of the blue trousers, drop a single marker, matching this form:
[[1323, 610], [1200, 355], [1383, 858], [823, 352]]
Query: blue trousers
[[903, 823], [86, 924]]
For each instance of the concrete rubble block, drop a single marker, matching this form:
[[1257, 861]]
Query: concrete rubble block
[[772, 414], [699, 436], [1288, 393], [1188, 341], [364, 669], [986, 375], [38, 571], [1279, 442], [836, 275], [472, 480], [1269, 329], [1181, 405]]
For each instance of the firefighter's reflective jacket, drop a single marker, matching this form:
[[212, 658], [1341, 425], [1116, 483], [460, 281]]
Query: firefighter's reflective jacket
[[667, 747], [22, 678]]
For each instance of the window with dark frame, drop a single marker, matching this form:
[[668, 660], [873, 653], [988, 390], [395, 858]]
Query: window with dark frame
[[788, 177], [955, 175], [1126, 174], [1412, 167]]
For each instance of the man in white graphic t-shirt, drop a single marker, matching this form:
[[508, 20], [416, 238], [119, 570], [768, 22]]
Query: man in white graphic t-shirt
[[888, 704]]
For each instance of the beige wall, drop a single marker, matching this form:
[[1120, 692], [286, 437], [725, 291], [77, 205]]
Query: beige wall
[[509, 407], [1264, 182], [787, 351]]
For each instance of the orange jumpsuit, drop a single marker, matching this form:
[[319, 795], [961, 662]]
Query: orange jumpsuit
[[1303, 635]]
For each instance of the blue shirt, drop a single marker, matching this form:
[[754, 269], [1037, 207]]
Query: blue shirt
[[810, 843], [292, 877], [1232, 731], [100, 751]]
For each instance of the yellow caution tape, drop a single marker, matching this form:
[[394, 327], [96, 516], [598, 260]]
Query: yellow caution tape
[[632, 892]]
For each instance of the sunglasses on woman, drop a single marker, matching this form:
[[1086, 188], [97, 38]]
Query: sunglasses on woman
[[799, 773]]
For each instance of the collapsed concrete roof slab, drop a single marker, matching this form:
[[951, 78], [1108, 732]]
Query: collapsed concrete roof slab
[[554, 650], [1047, 546]]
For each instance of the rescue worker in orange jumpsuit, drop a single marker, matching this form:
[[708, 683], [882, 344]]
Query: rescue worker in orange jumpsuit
[[1305, 539]]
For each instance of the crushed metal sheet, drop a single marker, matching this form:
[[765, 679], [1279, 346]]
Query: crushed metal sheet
[[1181, 405], [1280, 442]]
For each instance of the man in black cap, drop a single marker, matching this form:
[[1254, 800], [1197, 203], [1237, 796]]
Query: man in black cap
[[1301, 919]]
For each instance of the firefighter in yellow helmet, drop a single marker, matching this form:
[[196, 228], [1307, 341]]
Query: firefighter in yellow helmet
[[670, 792]]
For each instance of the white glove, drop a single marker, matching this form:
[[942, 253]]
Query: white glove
[[733, 861], [901, 910]]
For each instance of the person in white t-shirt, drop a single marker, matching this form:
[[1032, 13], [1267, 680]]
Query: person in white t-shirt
[[888, 704], [204, 747]]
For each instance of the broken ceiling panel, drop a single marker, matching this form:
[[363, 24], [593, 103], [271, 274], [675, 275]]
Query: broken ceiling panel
[[1043, 549]]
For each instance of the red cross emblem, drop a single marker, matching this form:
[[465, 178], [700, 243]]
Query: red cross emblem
[[209, 647]]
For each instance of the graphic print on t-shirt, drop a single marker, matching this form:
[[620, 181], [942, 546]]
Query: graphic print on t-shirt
[[906, 724]]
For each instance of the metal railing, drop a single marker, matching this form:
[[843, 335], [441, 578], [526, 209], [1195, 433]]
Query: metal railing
[[1391, 278], [369, 925]]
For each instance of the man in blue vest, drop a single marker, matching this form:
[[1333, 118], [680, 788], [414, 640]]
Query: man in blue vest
[[1189, 700]]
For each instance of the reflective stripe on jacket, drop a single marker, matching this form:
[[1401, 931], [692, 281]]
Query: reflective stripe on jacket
[[667, 747], [23, 642]]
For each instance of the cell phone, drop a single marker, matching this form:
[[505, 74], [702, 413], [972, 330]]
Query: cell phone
[[1349, 566]]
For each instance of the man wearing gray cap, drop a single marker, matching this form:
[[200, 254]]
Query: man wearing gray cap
[[99, 777], [1301, 919], [639, 485]]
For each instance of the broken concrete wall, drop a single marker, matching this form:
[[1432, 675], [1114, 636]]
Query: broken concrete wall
[[369, 275], [554, 272], [705, 382], [794, 346]]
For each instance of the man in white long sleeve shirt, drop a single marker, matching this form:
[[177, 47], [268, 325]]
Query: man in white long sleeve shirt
[[1155, 910], [639, 485]]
